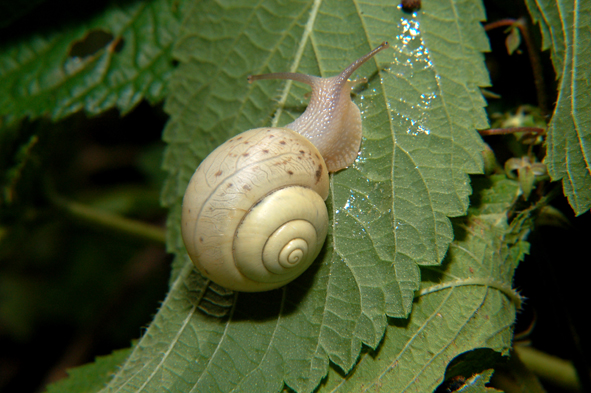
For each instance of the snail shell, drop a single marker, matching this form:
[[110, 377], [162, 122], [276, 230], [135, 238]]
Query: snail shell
[[258, 197], [254, 216]]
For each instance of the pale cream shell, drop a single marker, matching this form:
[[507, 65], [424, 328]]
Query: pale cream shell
[[259, 170]]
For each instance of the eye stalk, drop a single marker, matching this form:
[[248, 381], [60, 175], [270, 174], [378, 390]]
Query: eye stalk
[[331, 121]]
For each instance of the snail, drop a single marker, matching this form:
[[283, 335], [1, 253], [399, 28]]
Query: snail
[[253, 215]]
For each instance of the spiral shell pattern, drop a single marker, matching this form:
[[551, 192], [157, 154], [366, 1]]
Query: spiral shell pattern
[[254, 216]]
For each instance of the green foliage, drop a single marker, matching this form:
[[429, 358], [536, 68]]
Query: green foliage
[[565, 29], [41, 73], [91, 377], [464, 304], [419, 262]]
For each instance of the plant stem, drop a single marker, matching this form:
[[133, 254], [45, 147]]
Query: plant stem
[[111, 221], [511, 130], [555, 370], [534, 57], [499, 23]]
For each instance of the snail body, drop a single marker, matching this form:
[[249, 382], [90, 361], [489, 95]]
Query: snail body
[[253, 216]]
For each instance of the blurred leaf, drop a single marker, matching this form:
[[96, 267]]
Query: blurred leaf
[[526, 172], [527, 178], [40, 73], [550, 368], [551, 216], [513, 40], [515, 376]]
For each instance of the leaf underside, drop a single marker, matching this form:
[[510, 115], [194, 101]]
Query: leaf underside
[[565, 29]]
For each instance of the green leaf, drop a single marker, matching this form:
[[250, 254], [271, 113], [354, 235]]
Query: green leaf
[[464, 304], [513, 40], [91, 377], [547, 14], [419, 119], [389, 210], [43, 73], [565, 27]]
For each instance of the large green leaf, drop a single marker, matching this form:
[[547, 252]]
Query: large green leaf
[[42, 72], [389, 210], [419, 120], [565, 27]]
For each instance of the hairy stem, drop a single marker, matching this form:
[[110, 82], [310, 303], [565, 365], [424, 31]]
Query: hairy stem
[[511, 130]]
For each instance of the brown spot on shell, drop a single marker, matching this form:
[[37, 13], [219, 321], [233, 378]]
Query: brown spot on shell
[[218, 173], [318, 173], [201, 239], [239, 138], [246, 187], [282, 142], [266, 151], [245, 154], [230, 185], [290, 172], [302, 152]]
